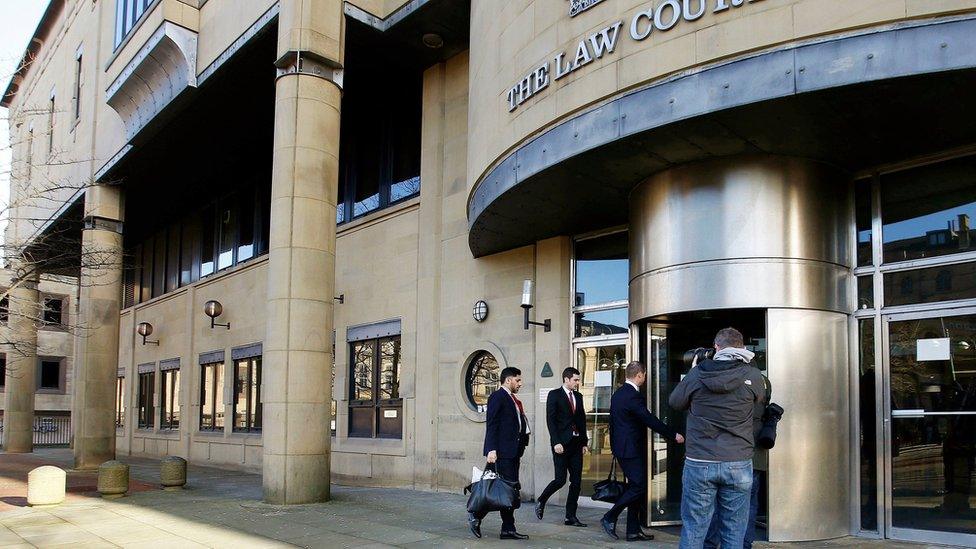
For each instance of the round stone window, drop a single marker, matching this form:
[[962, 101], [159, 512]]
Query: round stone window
[[481, 379]]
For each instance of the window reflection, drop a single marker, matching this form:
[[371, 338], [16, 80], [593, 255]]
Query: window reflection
[[601, 323], [862, 204], [481, 379], [947, 283], [602, 269], [928, 211]]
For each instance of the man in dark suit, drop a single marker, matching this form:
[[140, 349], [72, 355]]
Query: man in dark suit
[[506, 436], [629, 421], [566, 420]]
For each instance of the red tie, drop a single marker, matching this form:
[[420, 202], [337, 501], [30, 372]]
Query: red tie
[[572, 402], [518, 403]]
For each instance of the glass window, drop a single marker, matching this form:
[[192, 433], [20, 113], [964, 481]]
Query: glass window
[[227, 237], [481, 379], [865, 292], [173, 259], [869, 432], [147, 387], [212, 397], [190, 251], [127, 14], [247, 395], [120, 402], [341, 202], [602, 269], [245, 241], [943, 283], [169, 399], [375, 408], [208, 264], [53, 311], [601, 323], [77, 98], [159, 264], [928, 211], [3, 370], [147, 271], [4, 308], [862, 206], [50, 375]]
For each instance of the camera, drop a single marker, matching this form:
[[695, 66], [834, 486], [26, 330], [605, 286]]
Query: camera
[[767, 434], [701, 353]]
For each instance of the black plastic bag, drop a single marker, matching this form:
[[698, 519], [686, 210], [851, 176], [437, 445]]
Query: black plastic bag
[[611, 489], [492, 494]]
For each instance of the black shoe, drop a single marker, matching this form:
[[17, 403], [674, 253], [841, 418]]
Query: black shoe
[[640, 537], [512, 534], [574, 522], [609, 527], [474, 524], [540, 509]]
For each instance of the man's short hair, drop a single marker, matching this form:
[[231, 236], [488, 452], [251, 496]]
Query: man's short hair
[[729, 337], [634, 368], [510, 371], [568, 373]]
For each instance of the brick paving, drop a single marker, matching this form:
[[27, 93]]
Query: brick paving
[[222, 508]]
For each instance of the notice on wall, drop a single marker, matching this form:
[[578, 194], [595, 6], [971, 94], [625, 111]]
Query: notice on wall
[[603, 378], [932, 349], [389, 413], [543, 394]]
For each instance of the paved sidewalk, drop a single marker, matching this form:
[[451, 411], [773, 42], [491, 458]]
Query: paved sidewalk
[[221, 508]]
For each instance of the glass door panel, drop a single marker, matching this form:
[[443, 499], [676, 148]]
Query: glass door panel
[[603, 371], [932, 451]]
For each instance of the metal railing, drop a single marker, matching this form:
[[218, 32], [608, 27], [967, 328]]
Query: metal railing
[[50, 430]]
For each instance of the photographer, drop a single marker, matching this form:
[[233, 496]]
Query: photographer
[[723, 396]]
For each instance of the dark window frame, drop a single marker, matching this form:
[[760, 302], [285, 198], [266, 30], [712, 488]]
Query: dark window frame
[[3, 372], [375, 407], [169, 395], [61, 375], [147, 392], [253, 412], [59, 311], [217, 402]]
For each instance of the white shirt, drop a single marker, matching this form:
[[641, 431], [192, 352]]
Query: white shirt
[[634, 385], [518, 413]]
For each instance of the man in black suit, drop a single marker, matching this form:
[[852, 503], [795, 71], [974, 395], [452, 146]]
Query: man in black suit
[[566, 420], [629, 421], [506, 436]]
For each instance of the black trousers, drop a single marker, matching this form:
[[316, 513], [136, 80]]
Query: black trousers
[[570, 462], [508, 469], [634, 497]]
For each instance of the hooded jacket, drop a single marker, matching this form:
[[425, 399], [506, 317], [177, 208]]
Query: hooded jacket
[[723, 399]]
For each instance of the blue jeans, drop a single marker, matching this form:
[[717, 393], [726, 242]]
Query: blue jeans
[[713, 540], [727, 484]]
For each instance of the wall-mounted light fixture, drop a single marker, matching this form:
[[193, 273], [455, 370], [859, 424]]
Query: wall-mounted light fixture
[[341, 298], [213, 309], [528, 291], [145, 329], [432, 40]]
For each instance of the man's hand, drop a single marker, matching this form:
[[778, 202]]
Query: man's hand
[[586, 450], [492, 456], [679, 439], [558, 449]]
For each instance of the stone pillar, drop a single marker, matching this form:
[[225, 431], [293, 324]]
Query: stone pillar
[[97, 333], [301, 271], [23, 318]]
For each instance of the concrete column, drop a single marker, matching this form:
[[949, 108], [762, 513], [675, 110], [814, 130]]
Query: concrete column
[[21, 383], [97, 333], [301, 277]]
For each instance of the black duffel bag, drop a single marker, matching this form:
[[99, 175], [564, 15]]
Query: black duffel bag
[[492, 494], [611, 489]]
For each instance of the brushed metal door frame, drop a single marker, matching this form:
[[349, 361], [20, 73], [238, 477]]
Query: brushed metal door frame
[[654, 404], [892, 532]]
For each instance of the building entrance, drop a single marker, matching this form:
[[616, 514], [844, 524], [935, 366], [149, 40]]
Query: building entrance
[[664, 342], [930, 450]]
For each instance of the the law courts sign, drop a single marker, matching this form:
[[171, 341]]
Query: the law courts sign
[[661, 16]]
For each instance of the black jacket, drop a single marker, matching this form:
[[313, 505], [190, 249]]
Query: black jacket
[[629, 422], [502, 432], [723, 399], [561, 420]]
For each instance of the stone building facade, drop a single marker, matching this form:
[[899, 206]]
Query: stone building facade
[[363, 186]]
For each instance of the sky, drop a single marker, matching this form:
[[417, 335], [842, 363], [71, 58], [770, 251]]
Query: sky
[[18, 19]]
